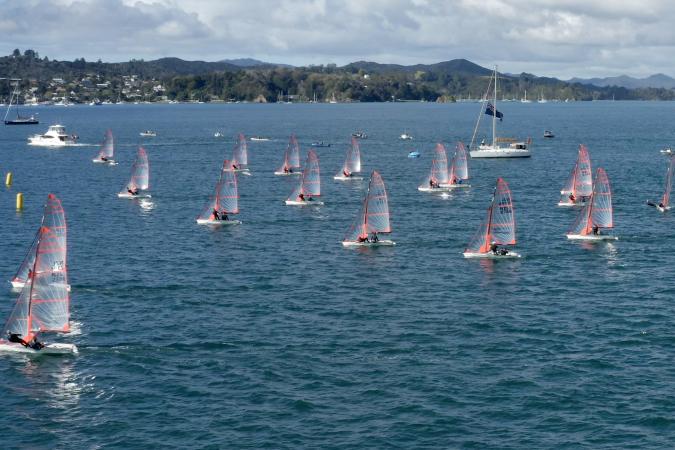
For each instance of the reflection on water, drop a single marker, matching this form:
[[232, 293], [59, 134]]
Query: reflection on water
[[146, 204]]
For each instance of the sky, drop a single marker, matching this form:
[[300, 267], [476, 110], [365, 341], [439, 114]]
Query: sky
[[559, 38]]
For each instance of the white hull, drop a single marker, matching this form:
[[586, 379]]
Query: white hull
[[51, 143], [243, 171], [218, 222], [49, 349], [490, 255], [282, 173], [430, 189], [301, 203], [455, 186], [380, 243], [500, 153], [663, 209], [592, 237], [128, 195], [571, 205], [344, 178], [110, 162]]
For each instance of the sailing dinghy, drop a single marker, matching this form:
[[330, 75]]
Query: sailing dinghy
[[438, 176], [140, 178], [309, 186], [373, 218], [105, 155], [596, 213], [498, 228], [240, 156], [291, 165], [43, 305], [579, 185], [225, 201], [459, 169], [352, 164], [664, 204]]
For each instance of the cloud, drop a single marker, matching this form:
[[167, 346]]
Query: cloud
[[561, 38]]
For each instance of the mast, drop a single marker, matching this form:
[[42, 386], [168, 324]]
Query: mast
[[494, 113], [489, 225]]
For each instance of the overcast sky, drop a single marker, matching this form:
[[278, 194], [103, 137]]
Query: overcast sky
[[562, 38]]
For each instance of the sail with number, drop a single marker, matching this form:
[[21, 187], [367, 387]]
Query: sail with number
[[240, 154], [459, 167], [374, 214], [499, 225], [140, 172], [226, 197], [439, 168], [291, 156], [579, 185], [44, 302], [352, 162], [310, 183], [598, 211], [108, 147]]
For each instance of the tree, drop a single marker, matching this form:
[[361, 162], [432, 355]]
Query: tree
[[16, 53]]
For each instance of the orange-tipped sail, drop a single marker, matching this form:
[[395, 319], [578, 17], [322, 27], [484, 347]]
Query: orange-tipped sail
[[439, 167], [226, 197], [374, 214], [665, 199], [107, 150], [310, 183], [240, 154], [598, 211], [579, 185], [459, 167], [291, 156], [140, 172], [352, 162]]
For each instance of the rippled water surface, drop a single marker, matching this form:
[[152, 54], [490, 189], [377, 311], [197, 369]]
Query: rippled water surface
[[271, 335]]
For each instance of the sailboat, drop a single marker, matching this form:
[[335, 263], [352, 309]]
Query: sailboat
[[596, 214], [20, 120], [373, 218], [459, 169], [352, 164], [240, 156], [579, 185], [309, 186], [225, 200], [44, 303], [542, 99], [664, 204], [498, 228], [107, 151], [140, 178], [515, 148], [291, 159], [524, 99], [439, 172]]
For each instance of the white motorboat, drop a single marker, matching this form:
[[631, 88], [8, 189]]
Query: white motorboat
[[55, 136], [148, 133], [406, 136]]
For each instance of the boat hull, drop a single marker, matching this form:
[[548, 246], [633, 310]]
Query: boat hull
[[571, 205], [127, 195], [301, 203], [344, 178], [490, 255], [592, 237], [110, 162], [284, 174], [501, 153], [380, 243], [40, 143], [455, 186], [218, 222], [430, 189], [48, 349]]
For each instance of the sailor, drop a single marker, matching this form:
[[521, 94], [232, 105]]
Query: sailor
[[345, 173], [133, 191], [494, 248], [374, 238], [363, 239], [216, 216], [596, 230], [286, 169], [224, 216], [572, 197], [35, 344], [301, 197], [234, 166], [104, 159], [15, 337], [661, 205]]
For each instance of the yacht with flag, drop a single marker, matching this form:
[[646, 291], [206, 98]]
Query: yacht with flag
[[500, 147]]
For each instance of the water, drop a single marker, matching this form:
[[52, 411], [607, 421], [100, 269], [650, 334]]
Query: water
[[271, 335]]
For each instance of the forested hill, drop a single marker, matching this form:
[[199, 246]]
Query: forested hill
[[43, 79]]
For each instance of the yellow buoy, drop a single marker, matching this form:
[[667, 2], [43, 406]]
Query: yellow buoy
[[8, 179], [19, 201]]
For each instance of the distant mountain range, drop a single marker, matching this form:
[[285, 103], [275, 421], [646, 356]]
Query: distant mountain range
[[251, 63], [658, 80]]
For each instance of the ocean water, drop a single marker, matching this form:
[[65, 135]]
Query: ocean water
[[271, 335]]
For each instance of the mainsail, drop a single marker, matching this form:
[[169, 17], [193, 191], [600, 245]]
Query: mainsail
[[108, 147], [499, 225], [665, 199], [459, 168], [226, 197], [26, 268], [310, 183], [240, 154], [140, 172], [579, 185], [43, 304], [352, 162], [439, 168], [597, 212], [374, 214]]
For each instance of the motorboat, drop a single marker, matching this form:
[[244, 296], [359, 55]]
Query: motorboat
[[406, 136], [414, 154], [148, 133], [548, 134], [319, 144], [55, 136], [259, 138]]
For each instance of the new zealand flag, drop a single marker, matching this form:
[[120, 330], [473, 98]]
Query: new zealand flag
[[490, 111]]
